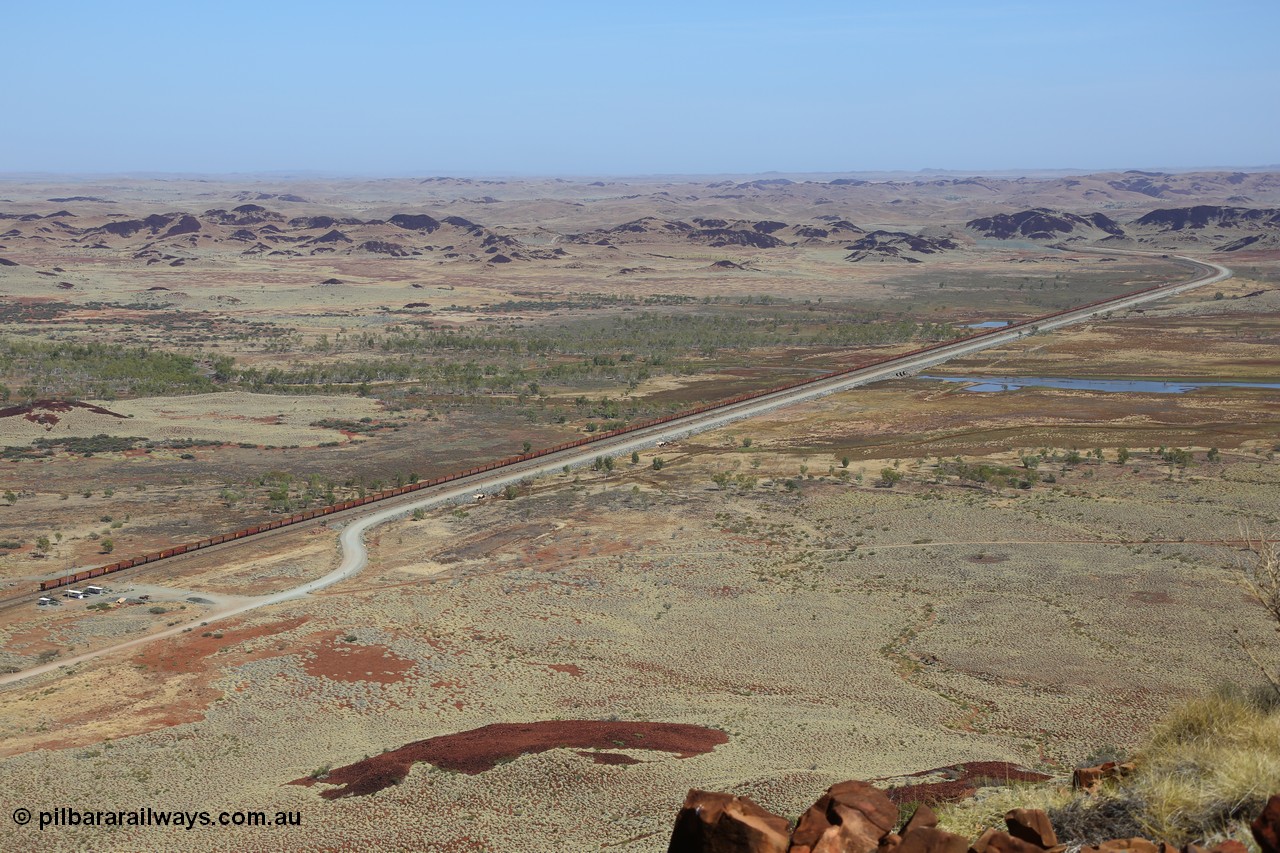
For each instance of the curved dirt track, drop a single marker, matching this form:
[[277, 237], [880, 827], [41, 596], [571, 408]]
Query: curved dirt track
[[351, 540]]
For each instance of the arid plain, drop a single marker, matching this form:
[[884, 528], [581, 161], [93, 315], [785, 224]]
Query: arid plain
[[902, 577]]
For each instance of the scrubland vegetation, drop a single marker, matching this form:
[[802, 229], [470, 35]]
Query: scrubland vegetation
[[870, 584], [483, 359]]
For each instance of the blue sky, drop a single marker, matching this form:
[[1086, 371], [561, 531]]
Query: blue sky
[[635, 88]]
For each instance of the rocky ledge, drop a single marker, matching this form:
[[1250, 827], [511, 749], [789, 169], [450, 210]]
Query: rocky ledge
[[856, 817]]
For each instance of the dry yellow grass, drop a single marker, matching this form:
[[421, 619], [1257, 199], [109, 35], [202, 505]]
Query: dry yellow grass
[[1205, 772]]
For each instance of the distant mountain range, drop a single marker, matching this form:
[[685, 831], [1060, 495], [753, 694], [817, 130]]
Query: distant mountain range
[[902, 221]]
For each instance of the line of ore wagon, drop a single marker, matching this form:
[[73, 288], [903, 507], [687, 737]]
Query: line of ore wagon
[[310, 514]]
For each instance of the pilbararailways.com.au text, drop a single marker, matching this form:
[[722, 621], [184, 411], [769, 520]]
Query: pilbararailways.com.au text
[[64, 817]]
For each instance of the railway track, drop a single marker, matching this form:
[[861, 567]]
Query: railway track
[[685, 423]]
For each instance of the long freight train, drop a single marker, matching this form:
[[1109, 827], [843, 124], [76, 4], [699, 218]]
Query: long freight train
[[307, 515]]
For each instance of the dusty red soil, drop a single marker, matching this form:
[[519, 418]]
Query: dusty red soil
[[192, 661], [187, 653], [341, 661], [33, 641], [475, 751], [961, 781]]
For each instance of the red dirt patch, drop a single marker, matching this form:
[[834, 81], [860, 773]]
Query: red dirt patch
[[475, 751], [33, 641], [572, 669], [961, 781], [341, 661], [186, 653], [41, 411], [190, 661]]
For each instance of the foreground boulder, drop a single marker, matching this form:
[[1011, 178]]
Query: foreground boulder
[[723, 823], [851, 817], [855, 817], [924, 818], [995, 841], [929, 839], [1266, 829], [1124, 845], [1032, 826]]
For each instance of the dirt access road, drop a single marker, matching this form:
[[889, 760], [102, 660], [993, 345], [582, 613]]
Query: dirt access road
[[351, 539]]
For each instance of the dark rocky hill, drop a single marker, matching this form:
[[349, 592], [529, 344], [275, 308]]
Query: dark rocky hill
[[1044, 224], [1209, 216], [897, 246]]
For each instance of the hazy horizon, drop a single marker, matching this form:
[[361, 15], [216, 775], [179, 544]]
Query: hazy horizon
[[668, 90]]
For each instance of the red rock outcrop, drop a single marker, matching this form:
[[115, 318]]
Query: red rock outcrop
[[995, 841], [929, 839], [923, 818], [958, 781], [1124, 845], [1031, 826], [723, 823], [851, 817], [855, 817], [1266, 829]]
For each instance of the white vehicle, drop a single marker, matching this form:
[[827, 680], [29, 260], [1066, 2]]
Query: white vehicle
[[94, 590], [44, 601], [73, 593]]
